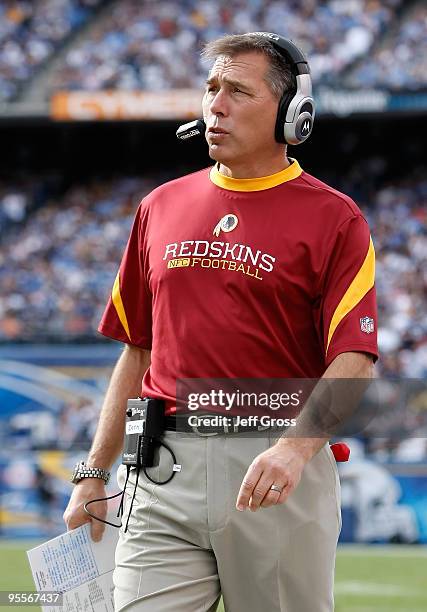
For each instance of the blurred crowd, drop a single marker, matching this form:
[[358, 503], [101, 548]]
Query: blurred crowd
[[67, 253], [71, 428], [396, 429], [155, 45], [402, 62], [146, 44], [399, 222], [30, 32]]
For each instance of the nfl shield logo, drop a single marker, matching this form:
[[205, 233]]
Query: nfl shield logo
[[367, 325]]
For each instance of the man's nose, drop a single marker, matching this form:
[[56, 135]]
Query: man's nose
[[219, 104]]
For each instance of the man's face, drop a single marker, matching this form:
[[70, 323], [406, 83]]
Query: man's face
[[239, 109]]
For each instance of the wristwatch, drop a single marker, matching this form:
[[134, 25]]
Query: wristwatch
[[81, 470]]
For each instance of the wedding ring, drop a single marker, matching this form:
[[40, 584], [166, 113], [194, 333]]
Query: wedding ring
[[276, 488]]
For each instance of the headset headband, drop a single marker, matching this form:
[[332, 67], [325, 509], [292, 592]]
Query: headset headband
[[292, 53]]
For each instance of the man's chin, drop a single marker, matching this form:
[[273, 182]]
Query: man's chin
[[218, 153]]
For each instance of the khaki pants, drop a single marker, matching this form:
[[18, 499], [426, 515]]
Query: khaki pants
[[187, 544]]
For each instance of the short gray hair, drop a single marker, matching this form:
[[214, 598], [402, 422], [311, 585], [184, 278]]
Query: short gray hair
[[279, 76]]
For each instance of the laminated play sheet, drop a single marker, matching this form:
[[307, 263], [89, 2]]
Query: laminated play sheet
[[78, 568]]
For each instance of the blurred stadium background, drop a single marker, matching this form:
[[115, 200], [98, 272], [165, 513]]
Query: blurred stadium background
[[91, 93]]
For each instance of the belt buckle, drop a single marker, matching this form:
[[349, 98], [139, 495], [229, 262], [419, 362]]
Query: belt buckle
[[202, 434]]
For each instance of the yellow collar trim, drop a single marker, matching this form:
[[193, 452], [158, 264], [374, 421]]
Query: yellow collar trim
[[256, 184]]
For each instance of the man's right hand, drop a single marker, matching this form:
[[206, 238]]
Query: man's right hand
[[75, 515]]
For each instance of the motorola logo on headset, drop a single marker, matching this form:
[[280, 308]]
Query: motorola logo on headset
[[296, 110], [305, 126]]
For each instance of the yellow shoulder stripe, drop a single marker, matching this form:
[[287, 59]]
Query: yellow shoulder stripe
[[359, 287], [118, 304]]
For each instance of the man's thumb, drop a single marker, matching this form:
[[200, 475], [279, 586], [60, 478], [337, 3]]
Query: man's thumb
[[96, 530]]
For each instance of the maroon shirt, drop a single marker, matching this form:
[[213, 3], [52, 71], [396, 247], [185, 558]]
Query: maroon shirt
[[244, 278]]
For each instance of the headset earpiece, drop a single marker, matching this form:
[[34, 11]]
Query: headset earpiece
[[297, 116], [284, 101], [295, 113]]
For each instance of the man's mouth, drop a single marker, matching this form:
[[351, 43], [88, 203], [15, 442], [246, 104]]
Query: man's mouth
[[216, 130]]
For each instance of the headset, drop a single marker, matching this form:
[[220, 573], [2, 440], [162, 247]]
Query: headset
[[296, 110]]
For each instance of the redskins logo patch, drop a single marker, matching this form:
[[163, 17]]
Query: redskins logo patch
[[227, 224]]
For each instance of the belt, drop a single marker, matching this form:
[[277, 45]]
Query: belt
[[214, 424], [228, 426]]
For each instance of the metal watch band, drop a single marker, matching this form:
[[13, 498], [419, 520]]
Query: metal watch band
[[83, 471]]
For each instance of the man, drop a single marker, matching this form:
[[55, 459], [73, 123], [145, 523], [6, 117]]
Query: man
[[251, 269]]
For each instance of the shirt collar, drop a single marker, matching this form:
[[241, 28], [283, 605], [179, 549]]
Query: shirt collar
[[255, 184]]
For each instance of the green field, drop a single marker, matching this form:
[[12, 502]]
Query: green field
[[368, 579]]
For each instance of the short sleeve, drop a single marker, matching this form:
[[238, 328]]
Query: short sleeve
[[127, 316], [349, 308]]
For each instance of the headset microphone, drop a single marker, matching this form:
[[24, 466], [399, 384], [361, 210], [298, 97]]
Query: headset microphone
[[188, 130]]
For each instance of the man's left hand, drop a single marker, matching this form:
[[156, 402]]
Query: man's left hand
[[280, 465]]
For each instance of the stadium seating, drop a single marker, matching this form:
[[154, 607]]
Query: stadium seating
[[30, 32], [402, 62], [148, 45], [155, 45]]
